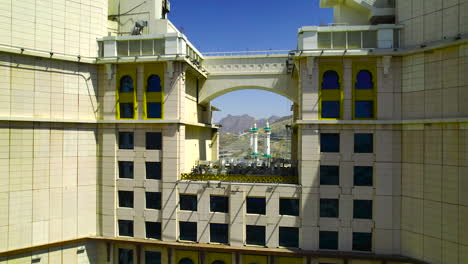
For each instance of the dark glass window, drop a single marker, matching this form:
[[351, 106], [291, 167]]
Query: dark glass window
[[153, 200], [364, 109], [153, 230], [154, 84], [126, 199], [330, 109], [289, 206], [331, 81], [362, 241], [329, 142], [363, 143], [126, 110], [218, 262], [126, 84], [255, 235], [362, 209], [125, 256], [289, 237], [126, 228], [125, 140], [153, 170], [188, 231], [328, 240], [329, 175], [256, 205], [219, 204], [219, 233], [153, 140], [154, 110], [186, 261], [363, 176], [364, 80], [329, 208], [188, 202], [152, 257], [126, 169]]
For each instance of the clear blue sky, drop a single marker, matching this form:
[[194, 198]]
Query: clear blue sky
[[240, 25]]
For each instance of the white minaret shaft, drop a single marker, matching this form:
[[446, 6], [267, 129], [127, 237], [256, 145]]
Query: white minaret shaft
[[267, 145], [255, 139], [251, 139]]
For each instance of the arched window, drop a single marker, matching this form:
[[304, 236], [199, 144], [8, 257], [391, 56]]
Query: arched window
[[154, 84], [126, 84], [218, 262], [331, 81], [364, 80], [186, 261]]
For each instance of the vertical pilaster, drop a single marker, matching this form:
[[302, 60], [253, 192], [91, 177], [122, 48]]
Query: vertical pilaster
[[347, 89], [140, 90]]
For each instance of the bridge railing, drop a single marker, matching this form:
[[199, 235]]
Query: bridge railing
[[246, 53]]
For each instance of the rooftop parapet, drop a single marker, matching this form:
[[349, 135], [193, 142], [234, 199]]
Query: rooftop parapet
[[361, 11]]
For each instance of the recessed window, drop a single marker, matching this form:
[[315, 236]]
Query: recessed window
[[362, 209], [125, 256], [255, 235], [219, 233], [331, 81], [154, 84], [329, 175], [329, 208], [126, 110], [153, 170], [330, 109], [126, 199], [125, 140], [188, 202], [328, 240], [362, 241], [153, 230], [153, 200], [126, 84], [126, 228], [126, 169], [364, 80], [289, 206], [363, 176], [154, 110], [154, 140], [219, 204], [329, 142], [188, 231], [152, 257], [364, 109], [363, 143], [186, 261], [289, 237], [256, 205]]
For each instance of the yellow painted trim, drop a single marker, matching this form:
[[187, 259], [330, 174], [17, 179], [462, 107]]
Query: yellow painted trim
[[288, 260], [365, 95], [122, 71], [163, 250], [330, 95], [153, 97], [248, 259], [181, 254], [212, 257]]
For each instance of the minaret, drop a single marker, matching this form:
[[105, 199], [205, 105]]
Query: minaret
[[267, 140], [251, 139], [255, 140]]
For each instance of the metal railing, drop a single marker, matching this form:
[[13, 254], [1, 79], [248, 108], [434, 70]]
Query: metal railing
[[246, 53]]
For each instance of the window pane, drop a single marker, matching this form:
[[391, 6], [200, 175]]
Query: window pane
[[154, 84], [134, 47], [126, 199], [154, 140], [289, 206], [186, 261], [188, 231], [324, 40], [354, 40], [362, 241], [153, 170], [152, 257], [153, 200], [255, 235], [329, 142], [126, 84], [126, 110], [188, 202], [219, 233], [362, 209], [289, 237], [369, 39], [256, 205], [329, 175], [339, 40], [329, 208], [331, 81], [125, 256], [363, 143], [364, 109], [330, 109], [153, 230], [328, 240], [154, 110], [122, 48], [364, 80], [125, 140], [126, 169], [159, 46], [219, 204], [363, 176], [147, 47], [125, 228]]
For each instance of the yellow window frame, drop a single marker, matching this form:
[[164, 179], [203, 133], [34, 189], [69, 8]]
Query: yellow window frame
[[153, 97], [331, 95], [363, 94], [181, 254], [128, 97]]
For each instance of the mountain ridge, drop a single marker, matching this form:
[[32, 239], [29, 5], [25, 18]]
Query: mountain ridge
[[238, 124]]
